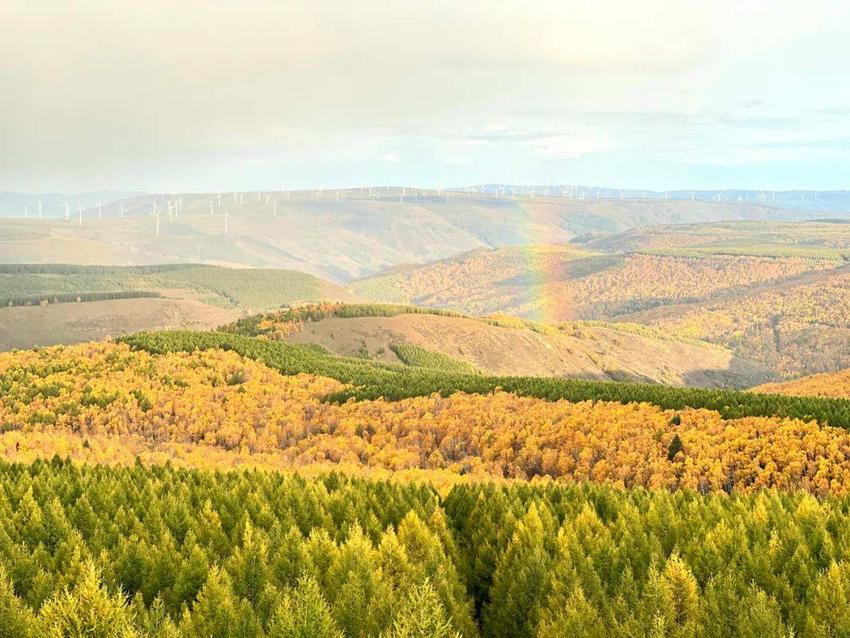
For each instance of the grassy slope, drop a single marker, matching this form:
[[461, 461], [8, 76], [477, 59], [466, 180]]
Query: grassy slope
[[67, 323], [194, 296], [502, 345], [829, 384], [250, 289]]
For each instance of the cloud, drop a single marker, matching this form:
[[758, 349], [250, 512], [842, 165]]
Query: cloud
[[121, 93]]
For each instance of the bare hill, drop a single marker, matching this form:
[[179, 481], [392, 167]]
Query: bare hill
[[579, 350], [828, 384], [38, 301], [66, 323]]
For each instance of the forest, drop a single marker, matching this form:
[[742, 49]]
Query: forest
[[372, 380], [162, 552], [105, 403]]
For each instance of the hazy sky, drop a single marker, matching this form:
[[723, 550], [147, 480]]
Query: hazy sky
[[213, 95]]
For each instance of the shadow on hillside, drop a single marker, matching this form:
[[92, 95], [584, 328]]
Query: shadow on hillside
[[741, 373]]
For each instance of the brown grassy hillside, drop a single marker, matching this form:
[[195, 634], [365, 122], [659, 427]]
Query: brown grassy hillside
[[827, 384], [511, 348], [31, 326]]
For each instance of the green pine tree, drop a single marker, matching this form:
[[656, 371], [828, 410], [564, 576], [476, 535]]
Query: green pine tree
[[16, 619], [421, 616], [304, 613], [86, 611]]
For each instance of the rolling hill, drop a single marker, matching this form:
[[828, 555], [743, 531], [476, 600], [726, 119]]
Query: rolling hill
[[560, 283], [774, 294], [502, 346], [38, 302], [337, 235], [834, 385]]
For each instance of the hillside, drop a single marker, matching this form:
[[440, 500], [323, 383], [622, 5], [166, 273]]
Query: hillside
[[825, 239], [560, 283], [337, 235], [509, 347], [835, 385], [775, 294], [38, 302], [798, 327]]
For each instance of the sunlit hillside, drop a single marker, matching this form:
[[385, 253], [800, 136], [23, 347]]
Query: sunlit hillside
[[562, 283], [503, 345], [827, 384], [167, 400], [46, 304]]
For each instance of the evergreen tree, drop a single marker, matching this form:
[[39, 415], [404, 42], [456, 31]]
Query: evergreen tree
[[361, 596], [16, 619], [87, 610], [672, 600], [219, 613], [304, 613], [576, 618], [421, 616], [830, 608], [759, 617], [520, 582]]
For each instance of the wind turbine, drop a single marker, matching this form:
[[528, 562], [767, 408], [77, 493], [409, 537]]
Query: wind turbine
[[121, 211], [274, 207], [79, 214], [26, 211], [67, 211], [155, 213], [226, 220], [211, 207], [99, 210]]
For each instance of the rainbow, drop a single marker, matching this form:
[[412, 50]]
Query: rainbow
[[550, 300]]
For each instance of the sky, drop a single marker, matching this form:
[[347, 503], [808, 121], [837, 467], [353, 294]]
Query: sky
[[209, 95]]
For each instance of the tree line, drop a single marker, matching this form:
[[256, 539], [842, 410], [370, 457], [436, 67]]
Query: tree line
[[77, 297]]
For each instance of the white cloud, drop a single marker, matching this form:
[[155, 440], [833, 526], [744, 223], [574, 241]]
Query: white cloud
[[105, 90]]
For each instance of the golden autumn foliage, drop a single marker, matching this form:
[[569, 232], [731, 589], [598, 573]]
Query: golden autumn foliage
[[798, 329], [104, 402], [835, 385], [644, 281], [563, 283]]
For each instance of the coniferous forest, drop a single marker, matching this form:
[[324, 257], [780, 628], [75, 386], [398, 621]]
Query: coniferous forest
[[158, 551]]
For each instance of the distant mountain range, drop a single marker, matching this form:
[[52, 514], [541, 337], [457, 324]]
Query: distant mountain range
[[809, 201], [336, 234]]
